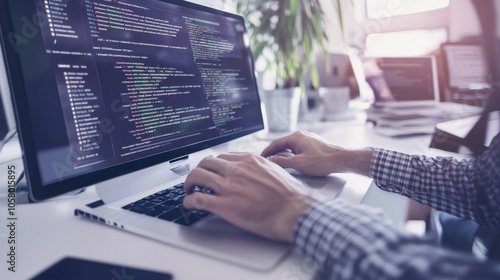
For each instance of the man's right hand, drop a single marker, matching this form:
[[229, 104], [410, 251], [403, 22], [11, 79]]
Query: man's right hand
[[315, 156]]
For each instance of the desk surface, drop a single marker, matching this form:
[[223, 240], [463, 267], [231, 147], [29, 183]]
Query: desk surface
[[48, 231]]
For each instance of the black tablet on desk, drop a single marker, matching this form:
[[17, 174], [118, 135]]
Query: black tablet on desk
[[79, 269]]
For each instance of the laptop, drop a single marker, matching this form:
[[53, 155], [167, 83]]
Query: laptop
[[130, 95], [402, 81]]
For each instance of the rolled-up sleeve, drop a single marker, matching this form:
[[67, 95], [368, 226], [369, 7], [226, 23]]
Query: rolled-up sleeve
[[346, 241], [466, 188]]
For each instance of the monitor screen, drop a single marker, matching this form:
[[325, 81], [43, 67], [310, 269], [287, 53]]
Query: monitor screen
[[4, 129], [7, 118], [466, 66], [402, 80], [108, 87]]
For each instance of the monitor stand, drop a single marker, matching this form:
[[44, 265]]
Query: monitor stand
[[22, 194], [11, 155]]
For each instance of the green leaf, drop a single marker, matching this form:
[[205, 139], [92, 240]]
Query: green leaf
[[339, 14], [258, 49], [315, 77], [287, 45]]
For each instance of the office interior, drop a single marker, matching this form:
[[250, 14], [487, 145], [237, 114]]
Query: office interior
[[430, 107]]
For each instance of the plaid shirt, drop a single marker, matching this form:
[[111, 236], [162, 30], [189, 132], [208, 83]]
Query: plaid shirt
[[356, 242]]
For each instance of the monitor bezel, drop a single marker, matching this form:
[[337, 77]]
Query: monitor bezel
[[39, 191], [9, 120]]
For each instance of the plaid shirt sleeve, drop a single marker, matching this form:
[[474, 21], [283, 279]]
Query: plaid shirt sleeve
[[355, 242], [469, 188]]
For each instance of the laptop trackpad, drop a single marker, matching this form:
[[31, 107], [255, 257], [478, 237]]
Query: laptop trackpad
[[220, 239], [328, 186]]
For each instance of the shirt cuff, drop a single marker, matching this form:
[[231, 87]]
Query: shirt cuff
[[392, 171], [325, 235]]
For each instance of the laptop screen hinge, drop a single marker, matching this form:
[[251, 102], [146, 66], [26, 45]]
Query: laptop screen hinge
[[175, 160]]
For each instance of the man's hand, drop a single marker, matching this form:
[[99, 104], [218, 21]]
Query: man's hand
[[315, 156], [250, 192]]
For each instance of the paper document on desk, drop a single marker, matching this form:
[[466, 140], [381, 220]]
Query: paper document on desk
[[401, 121]]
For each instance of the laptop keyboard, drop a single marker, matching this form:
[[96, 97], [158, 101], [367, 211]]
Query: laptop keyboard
[[167, 205]]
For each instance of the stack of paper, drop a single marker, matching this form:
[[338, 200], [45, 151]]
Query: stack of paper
[[407, 121]]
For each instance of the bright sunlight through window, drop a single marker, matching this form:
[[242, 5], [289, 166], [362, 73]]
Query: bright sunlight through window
[[377, 8]]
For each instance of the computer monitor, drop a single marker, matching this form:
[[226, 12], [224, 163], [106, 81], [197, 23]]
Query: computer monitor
[[4, 128], [105, 88], [7, 118], [466, 66], [402, 81]]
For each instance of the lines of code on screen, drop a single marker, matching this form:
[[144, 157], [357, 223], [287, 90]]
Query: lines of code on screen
[[136, 78]]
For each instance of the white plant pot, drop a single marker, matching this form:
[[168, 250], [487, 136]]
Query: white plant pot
[[282, 109]]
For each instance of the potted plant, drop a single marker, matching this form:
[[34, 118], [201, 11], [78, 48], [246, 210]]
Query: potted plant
[[286, 35]]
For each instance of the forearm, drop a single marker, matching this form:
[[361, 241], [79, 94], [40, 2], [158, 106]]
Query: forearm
[[352, 242], [462, 188], [357, 161]]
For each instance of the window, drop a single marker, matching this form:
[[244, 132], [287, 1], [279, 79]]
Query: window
[[377, 8], [405, 43]]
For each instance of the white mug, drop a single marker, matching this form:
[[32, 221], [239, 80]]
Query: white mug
[[335, 100]]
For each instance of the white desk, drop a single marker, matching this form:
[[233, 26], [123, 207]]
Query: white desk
[[48, 231]]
